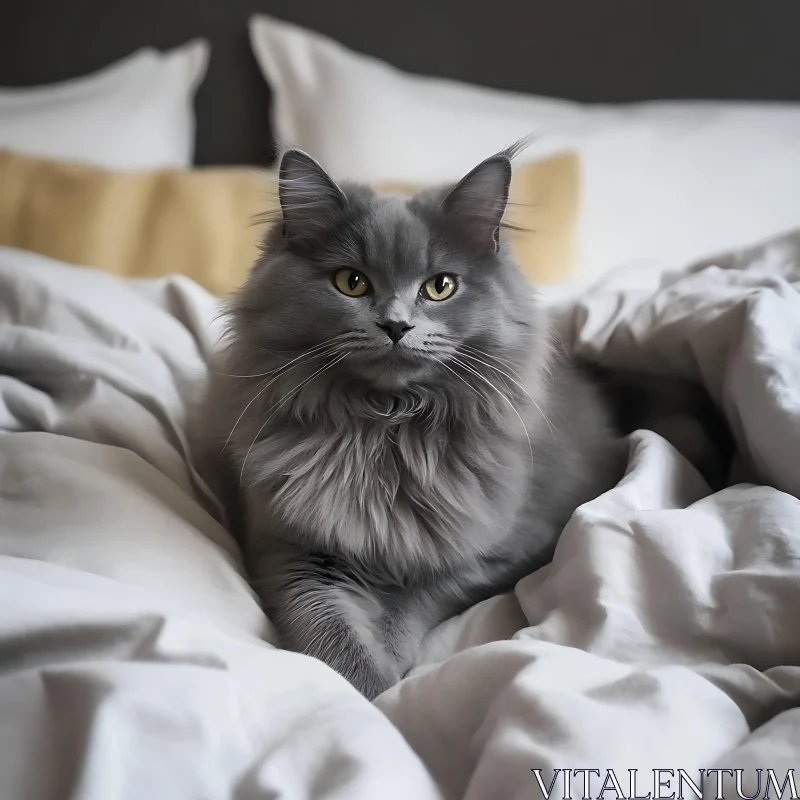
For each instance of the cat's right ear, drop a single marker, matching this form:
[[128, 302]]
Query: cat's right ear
[[310, 199]]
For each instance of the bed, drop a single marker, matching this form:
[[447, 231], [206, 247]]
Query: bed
[[657, 653]]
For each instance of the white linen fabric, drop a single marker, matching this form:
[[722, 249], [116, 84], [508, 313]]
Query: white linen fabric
[[678, 179], [135, 114], [134, 661]]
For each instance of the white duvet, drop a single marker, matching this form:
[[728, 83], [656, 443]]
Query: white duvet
[[664, 636]]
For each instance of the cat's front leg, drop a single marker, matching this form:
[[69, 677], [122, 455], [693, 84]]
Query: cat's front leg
[[319, 611], [335, 625]]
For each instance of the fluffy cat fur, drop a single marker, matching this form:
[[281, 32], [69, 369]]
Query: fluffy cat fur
[[389, 483]]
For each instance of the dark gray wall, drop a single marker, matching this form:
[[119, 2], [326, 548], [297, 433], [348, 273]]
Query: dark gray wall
[[592, 50]]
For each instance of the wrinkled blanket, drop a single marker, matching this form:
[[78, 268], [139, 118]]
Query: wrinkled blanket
[[135, 662]]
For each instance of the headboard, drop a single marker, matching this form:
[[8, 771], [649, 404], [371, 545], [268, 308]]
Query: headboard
[[612, 51]]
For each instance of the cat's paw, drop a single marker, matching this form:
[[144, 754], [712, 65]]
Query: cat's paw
[[370, 679]]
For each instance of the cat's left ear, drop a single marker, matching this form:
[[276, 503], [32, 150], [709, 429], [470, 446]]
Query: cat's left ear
[[479, 200]]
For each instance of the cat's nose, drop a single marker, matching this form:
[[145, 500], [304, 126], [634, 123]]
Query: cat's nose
[[395, 330]]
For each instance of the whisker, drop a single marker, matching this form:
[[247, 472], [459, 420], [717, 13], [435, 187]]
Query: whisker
[[496, 369], [280, 403], [460, 377], [351, 338], [462, 346], [440, 337], [286, 369], [511, 405], [505, 362], [330, 341]]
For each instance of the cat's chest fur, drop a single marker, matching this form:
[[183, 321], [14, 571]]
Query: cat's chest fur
[[408, 493]]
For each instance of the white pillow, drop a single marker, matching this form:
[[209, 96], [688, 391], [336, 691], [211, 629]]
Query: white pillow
[[668, 181], [135, 114]]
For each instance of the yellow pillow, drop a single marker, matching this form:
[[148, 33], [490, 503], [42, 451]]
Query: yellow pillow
[[203, 222]]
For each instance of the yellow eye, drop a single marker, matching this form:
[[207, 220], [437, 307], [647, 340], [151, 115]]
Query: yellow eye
[[351, 282], [439, 288]]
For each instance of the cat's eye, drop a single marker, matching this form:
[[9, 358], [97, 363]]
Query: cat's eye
[[440, 287], [351, 282]]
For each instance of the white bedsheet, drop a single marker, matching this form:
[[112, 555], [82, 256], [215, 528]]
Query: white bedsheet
[[664, 635]]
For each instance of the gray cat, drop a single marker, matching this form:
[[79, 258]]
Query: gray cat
[[405, 435]]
